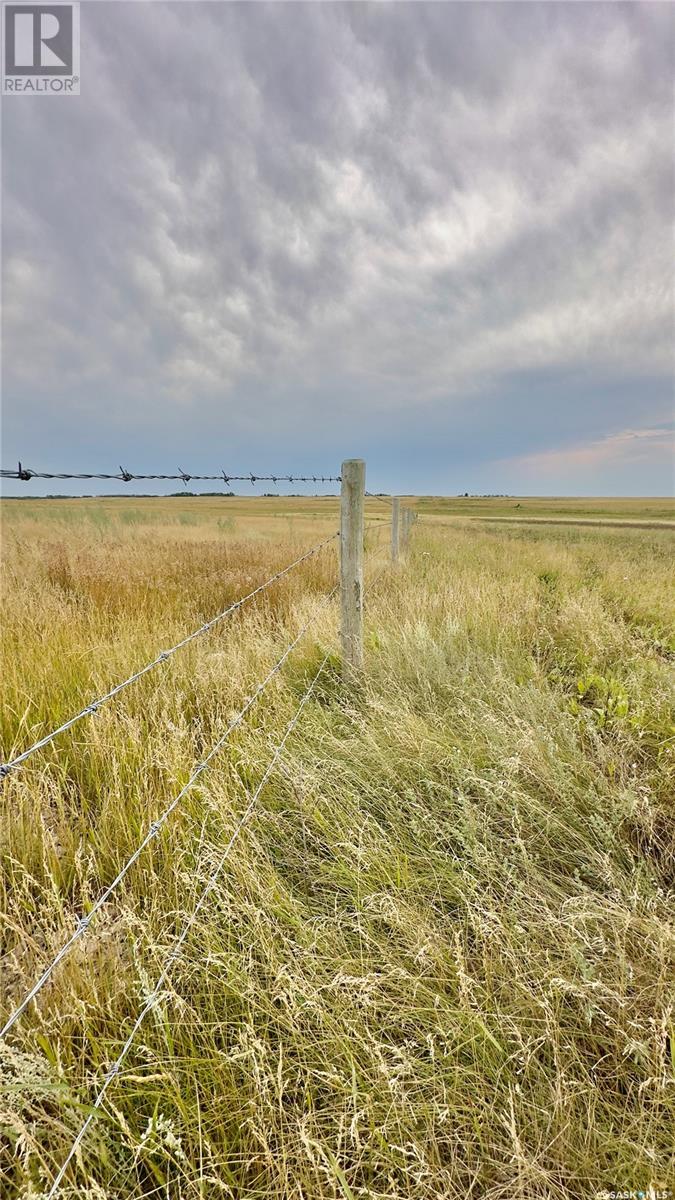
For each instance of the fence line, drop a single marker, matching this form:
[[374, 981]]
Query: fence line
[[351, 534], [26, 473], [156, 992], [403, 517], [90, 709], [155, 827]]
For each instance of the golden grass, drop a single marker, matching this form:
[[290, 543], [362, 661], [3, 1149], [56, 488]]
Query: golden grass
[[439, 962], [648, 509]]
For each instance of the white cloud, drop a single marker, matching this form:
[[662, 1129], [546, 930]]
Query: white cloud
[[415, 201]]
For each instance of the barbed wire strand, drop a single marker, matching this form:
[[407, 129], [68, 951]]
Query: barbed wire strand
[[156, 991], [156, 826], [384, 499], [26, 473], [154, 829], [93, 707]]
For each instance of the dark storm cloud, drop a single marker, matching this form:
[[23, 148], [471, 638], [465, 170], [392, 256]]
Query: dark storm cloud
[[302, 230]]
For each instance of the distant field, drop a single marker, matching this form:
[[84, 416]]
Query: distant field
[[188, 511], [439, 962], [199, 510], [569, 508]]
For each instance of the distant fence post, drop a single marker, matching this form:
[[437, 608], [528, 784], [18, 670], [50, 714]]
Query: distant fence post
[[406, 514], [351, 563], [395, 514]]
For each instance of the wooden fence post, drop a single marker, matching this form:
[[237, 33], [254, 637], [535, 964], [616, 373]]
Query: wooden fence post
[[352, 494], [395, 513], [405, 529]]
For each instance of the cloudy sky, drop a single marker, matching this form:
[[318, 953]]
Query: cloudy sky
[[437, 236]]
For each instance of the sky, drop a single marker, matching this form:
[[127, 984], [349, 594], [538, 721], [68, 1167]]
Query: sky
[[268, 237]]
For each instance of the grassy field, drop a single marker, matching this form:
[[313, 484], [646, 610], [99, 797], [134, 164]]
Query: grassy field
[[439, 962], [551, 508]]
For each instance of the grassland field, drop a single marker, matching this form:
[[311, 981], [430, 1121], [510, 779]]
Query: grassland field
[[439, 963], [559, 508]]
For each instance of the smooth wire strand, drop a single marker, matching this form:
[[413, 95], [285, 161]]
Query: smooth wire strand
[[90, 709], [153, 830], [155, 994]]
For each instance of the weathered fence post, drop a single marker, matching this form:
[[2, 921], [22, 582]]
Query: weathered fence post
[[395, 513], [351, 563], [405, 529]]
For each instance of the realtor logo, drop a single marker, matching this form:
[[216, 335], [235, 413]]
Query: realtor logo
[[41, 49]]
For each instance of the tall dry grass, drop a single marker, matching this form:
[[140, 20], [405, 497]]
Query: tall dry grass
[[439, 962]]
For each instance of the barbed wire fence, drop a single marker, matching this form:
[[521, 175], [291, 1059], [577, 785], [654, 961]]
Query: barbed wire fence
[[123, 476], [352, 540], [162, 657], [154, 828]]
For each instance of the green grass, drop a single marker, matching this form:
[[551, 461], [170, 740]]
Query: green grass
[[439, 962]]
